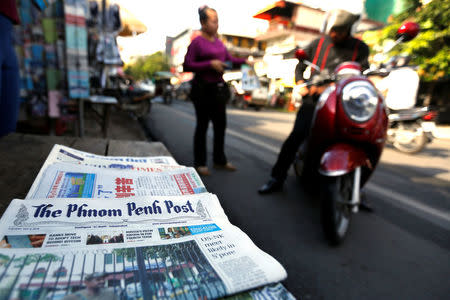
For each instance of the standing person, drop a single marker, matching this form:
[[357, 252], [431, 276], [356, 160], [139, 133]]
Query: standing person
[[327, 52], [9, 68], [207, 57]]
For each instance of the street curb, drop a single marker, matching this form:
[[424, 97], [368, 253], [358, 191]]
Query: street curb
[[442, 132]]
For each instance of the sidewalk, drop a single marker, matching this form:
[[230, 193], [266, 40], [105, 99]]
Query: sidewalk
[[442, 132], [122, 126]]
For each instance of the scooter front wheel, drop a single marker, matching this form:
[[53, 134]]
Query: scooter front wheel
[[336, 195]]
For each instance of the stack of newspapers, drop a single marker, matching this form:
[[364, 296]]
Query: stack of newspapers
[[109, 227]]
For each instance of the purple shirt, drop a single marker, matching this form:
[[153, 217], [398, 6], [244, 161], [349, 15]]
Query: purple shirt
[[199, 55]]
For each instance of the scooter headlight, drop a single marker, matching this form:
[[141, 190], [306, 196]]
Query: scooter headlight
[[360, 100]]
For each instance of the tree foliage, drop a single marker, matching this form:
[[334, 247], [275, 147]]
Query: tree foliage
[[34, 258], [430, 49], [146, 66]]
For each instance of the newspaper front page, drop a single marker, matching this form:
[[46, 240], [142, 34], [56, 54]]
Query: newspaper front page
[[163, 247], [65, 154], [65, 180]]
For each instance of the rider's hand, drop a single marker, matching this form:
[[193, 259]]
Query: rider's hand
[[303, 90], [218, 65], [313, 90], [318, 89]]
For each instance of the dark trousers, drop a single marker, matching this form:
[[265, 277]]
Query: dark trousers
[[210, 105], [9, 79], [300, 131]]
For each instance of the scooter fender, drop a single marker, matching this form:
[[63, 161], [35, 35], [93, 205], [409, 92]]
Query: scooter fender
[[340, 159]]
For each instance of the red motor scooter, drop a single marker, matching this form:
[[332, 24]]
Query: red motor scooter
[[348, 133]]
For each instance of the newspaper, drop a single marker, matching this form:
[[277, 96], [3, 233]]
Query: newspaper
[[152, 247], [60, 153], [269, 292], [65, 180]]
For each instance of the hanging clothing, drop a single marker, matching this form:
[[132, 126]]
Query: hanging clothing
[[108, 51], [9, 77], [113, 22]]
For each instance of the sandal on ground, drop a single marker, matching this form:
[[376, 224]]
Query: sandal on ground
[[203, 170]]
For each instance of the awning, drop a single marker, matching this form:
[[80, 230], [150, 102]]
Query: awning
[[130, 25], [277, 9]]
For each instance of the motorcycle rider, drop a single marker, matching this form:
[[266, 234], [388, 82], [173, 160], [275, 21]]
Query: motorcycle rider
[[327, 52]]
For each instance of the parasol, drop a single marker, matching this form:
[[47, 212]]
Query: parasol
[[131, 26], [277, 9]]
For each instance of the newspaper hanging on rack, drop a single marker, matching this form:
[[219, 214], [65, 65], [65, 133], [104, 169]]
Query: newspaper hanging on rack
[[65, 180], [152, 247]]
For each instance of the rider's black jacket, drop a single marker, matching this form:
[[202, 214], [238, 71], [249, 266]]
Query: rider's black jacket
[[326, 55]]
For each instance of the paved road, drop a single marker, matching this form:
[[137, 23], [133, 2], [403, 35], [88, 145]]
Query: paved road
[[399, 252]]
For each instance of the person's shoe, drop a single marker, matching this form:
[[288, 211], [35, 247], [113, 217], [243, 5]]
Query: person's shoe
[[228, 167], [273, 185], [203, 170]]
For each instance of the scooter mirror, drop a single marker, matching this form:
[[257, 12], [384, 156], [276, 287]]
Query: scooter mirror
[[300, 54], [408, 31]]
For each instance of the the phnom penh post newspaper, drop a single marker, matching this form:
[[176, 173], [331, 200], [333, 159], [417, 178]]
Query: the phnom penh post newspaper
[[162, 237], [160, 246]]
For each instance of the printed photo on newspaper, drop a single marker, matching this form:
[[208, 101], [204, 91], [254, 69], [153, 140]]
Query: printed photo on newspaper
[[64, 180], [146, 247]]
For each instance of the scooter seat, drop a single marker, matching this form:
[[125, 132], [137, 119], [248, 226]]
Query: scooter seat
[[409, 110], [407, 114]]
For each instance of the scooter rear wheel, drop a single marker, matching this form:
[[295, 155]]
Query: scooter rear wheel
[[336, 194], [410, 138], [143, 109], [241, 104]]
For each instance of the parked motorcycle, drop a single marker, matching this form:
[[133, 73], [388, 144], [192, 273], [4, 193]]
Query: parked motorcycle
[[348, 133], [410, 130], [130, 96]]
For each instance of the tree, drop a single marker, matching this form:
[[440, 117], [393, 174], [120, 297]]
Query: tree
[[144, 67], [34, 258], [430, 49]]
